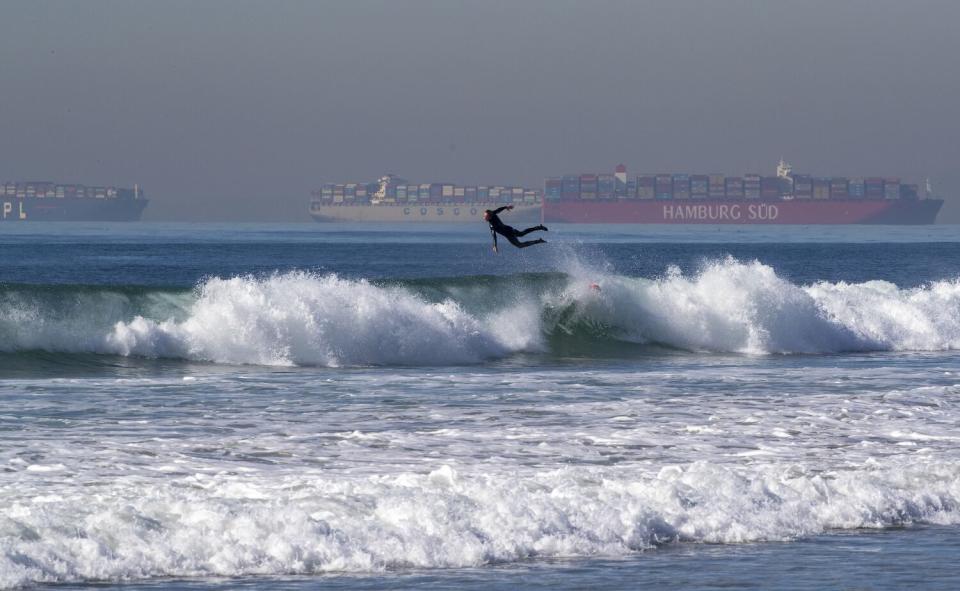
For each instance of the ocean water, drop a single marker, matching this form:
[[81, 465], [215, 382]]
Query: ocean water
[[303, 406]]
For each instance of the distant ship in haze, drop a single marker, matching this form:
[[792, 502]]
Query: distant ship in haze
[[786, 198], [43, 201], [783, 198], [393, 199]]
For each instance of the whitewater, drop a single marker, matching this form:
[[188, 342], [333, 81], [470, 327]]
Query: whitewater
[[299, 318], [380, 409]]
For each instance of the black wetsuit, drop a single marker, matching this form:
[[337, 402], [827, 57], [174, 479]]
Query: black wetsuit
[[509, 232]]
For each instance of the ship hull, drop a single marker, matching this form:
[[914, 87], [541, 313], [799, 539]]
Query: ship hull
[[71, 209], [419, 213], [743, 211]]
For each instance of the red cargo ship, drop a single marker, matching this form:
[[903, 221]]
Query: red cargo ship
[[786, 198]]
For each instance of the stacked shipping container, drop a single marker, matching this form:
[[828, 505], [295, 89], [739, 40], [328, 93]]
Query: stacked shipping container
[[770, 187], [718, 186], [646, 186], [587, 186], [427, 193], [606, 186], [802, 186], [681, 186], [734, 186], [47, 190], [821, 188], [891, 188], [699, 186], [838, 188], [664, 186], [856, 188]]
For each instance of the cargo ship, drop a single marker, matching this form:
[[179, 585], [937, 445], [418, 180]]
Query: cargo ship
[[786, 198], [393, 199], [51, 202]]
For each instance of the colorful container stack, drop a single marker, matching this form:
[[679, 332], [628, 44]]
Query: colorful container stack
[[365, 193], [751, 198], [392, 199]]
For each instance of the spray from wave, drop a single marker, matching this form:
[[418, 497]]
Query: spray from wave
[[301, 318], [737, 307]]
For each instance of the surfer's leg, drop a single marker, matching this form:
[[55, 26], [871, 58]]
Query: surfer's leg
[[519, 244], [511, 236], [533, 229]]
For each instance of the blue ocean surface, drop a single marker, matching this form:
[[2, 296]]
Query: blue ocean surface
[[207, 406]]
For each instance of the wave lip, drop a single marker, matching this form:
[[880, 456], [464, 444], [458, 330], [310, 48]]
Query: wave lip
[[300, 318], [736, 307], [728, 307]]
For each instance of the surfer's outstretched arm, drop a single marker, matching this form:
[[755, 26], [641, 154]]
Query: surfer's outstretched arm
[[499, 209], [494, 234]]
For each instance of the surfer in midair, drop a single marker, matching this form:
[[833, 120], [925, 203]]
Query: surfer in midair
[[508, 232]]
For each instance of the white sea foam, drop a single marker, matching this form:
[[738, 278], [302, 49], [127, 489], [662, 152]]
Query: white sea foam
[[299, 319], [309, 523], [255, 472], [305, 319], [730, 306]]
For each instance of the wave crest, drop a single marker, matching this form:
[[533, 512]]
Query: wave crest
[[302, 319], [737, 307], [306, 319]]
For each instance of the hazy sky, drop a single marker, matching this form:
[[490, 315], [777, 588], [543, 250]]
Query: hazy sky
[[232, 110]]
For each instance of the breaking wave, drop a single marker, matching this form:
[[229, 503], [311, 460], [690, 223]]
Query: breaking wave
[[300, 318]]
